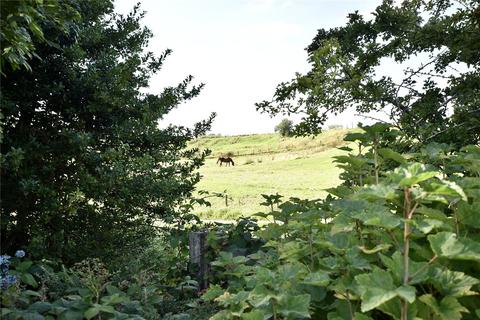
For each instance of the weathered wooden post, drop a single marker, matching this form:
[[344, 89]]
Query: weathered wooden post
[[198, 250]]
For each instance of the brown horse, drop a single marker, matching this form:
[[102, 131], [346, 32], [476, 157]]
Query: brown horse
[[227, 160]]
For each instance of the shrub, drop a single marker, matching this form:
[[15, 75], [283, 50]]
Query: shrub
[[399, 240], [285, 128]]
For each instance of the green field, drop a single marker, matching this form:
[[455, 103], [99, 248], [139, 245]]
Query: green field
[[267, 163]]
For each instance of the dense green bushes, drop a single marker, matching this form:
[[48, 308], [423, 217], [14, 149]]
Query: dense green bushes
[[85, 169], [150, 284], [398, 243]]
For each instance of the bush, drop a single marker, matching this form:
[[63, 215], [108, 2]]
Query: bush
[[399, 240], [285, 128], [107, 171], [150, 284]]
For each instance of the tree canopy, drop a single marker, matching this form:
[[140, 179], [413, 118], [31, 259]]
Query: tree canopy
[[436, 97], [86, 170]]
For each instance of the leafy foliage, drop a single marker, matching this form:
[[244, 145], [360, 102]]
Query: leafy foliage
[[152, 284], [285, 128], [85, 168], [435, 98], [21, 24], [395, 247]]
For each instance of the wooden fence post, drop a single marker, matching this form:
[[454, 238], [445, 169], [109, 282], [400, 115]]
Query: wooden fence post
[[198, 250]]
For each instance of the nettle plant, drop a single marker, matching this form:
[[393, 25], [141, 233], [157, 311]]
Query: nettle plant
[[402, 244]]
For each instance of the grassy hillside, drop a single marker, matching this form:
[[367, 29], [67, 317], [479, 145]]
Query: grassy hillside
[[255, 144], [267, 163]]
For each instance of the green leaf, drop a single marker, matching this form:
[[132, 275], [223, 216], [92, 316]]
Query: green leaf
[[353, 136], [377, 288], [40, 306], [447, 245], [29, 279], [377, 192], [411, 175], [453, 283], [23, 266], [469, 213], [318, 278], [32, 316], [420, 177], [448, 309], [432, 213], [212, 293], [447, 188], [32, 293], [348, 149], [354, 161], [253, 315], [91, 312], [5, 311], [71, 315], [260, 297], [427, 225], [359, 316], [340, 191], [395, 266], [390, 154], [294, 306], [114, 299], [106, 308]]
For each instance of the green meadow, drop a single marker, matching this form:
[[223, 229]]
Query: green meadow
[[267, 164]]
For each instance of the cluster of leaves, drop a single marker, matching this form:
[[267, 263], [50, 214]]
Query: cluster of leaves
[[153, 284], [85, 169], [22, 21], [285, 128], [435, 98], [402, 242]]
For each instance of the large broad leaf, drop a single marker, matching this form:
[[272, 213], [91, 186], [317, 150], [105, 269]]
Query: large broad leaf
[[212, 293], [390, 154], [340, 191], [377, 192], [395, 266], [447, 309], [229, 299], [261, 297], [377, 288], [114, 299], [354, 161], [447, 188], [71, 315], [317, 279], [427, 225], [453, 283], [411, 175], [29, 279], [24, 266], [447, 245], [378, 216], [294, 307], [432, 213], [353, 136], [469, 214], [91, 312], [40, 306], [32, 316], [253, 315]]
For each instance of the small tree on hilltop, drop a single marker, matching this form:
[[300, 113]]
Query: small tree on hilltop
[[285, 128]]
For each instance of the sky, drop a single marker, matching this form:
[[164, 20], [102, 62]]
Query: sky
[[241, 50]]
